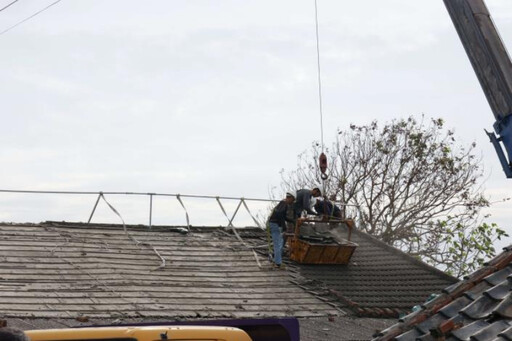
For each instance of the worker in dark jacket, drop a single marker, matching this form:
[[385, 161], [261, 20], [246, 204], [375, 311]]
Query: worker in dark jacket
[[303, 202], [327, 209], [277, 223]]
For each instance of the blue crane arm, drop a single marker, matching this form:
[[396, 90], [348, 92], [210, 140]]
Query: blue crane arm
[[492, 66]]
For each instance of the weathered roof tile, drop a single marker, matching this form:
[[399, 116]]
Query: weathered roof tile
[[504, 309], [411, 335], [469, 330], [500, 291], [426, 337], [454, 307], [491, 332], [451, 288], [425, 326], [477, 290], [452, 338], [506, 334], [500, 338], [498, 277], [481, 308]]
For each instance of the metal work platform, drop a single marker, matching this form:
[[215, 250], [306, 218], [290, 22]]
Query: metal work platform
[[321, 242]]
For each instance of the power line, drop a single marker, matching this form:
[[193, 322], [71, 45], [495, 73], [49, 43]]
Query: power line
[[26, 19], [12, 3]]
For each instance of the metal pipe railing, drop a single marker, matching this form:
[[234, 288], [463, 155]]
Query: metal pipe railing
[[241, 201]]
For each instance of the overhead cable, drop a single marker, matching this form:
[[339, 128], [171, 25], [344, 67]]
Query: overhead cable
[[9, 5], [30, 17]]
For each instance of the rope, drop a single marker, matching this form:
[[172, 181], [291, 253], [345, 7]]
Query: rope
[[249, 211], [234, 214], [235, 232], [234, 229], [223, 210], [246, 245], [137, 242], [186, 213]]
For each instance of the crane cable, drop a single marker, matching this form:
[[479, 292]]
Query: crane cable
[[323, 158]]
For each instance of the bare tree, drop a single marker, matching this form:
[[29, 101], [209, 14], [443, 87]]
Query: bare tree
[[416, 189]]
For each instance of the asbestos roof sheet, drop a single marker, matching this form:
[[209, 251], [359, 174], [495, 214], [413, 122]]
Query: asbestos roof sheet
[[477, 308], [78, 271]]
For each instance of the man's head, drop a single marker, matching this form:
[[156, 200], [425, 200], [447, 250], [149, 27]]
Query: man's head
[[10, 334], [290, 198], [315, 192]]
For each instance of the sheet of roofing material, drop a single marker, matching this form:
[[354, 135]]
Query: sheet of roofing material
[[476, 308], [72, 270]]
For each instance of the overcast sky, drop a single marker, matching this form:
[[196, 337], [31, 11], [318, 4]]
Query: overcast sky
[[215, 97]]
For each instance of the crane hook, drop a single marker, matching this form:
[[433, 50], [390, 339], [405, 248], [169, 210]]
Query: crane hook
[[323, 166]]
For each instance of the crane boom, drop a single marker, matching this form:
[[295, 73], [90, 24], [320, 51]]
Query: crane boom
[[492, 66]]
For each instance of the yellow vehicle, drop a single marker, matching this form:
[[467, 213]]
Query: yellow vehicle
[[150, 333]]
